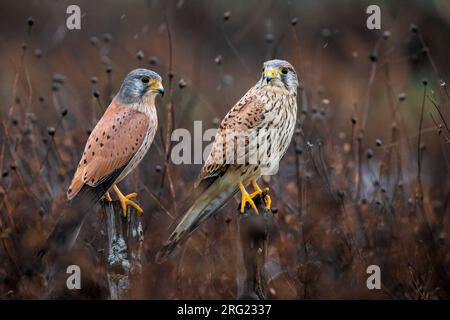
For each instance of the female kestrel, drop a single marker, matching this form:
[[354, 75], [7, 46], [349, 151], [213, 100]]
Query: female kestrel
[[115, 147], [265, 117]]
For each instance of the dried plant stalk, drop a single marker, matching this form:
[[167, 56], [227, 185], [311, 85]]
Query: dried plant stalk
[[253, 239], [125, 238]]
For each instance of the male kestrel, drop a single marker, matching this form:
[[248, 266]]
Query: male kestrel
[[121, 138], [115, 147], [268, 107]]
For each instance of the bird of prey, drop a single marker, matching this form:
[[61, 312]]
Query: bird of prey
[[268, 109], [115, 147]]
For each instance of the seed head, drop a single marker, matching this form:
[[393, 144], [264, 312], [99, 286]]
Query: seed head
[[218, 60], [153, 60], [140, 55], [378, 142], [51, 131], [182, 83], [414, 29], [373, 57], [30, 21]]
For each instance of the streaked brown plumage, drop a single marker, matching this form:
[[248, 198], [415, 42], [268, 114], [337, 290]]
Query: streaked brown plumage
[[270, 106]]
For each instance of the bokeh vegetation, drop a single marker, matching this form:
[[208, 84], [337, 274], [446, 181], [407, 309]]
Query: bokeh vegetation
[[366, 180]]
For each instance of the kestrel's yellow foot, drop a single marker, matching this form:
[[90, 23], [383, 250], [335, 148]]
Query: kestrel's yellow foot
[[125, 201], [107, 197], [268, 201], [246, 198], [258, 191]]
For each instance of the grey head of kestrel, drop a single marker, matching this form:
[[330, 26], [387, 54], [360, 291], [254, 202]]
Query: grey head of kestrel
[[139, 84], [279, 73]]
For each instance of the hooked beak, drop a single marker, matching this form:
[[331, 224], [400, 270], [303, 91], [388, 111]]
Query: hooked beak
[[159, 88], [270, 74]]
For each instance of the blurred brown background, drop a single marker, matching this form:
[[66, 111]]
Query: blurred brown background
[[365, 181]]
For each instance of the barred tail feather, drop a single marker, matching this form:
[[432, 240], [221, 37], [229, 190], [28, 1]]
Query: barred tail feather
[[204, 207], [70, 222], [73, 215]]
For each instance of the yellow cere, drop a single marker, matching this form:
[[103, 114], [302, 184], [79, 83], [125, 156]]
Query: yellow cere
[[270, 72], [156, 84]]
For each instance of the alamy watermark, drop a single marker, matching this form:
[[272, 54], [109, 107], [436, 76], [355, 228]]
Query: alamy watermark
[[374, 280], [73, 281], [259, 147], [73, 21], [374, 20]]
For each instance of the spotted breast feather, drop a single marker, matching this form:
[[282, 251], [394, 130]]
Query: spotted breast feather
[[115, 140]]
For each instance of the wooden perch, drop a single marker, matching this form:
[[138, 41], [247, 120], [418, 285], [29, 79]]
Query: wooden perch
[[253, 238], [125, 239]]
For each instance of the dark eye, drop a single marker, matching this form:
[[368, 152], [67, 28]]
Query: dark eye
[[284, 71], [145, 80]]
